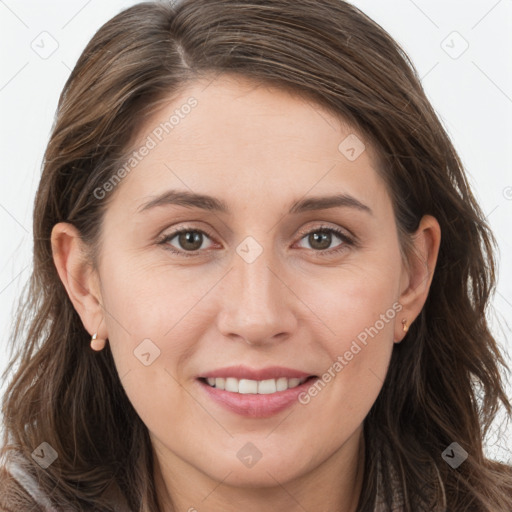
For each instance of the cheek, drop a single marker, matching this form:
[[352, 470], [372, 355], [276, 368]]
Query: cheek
[[356, 302], [363, 321], [139, 310], [147, 366], [146, 301], [152, 326], [358, 309]]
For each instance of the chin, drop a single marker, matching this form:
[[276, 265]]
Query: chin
[[266, 472]]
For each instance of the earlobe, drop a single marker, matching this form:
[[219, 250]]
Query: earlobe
[[405, 328], [417, 277], [77, 276]]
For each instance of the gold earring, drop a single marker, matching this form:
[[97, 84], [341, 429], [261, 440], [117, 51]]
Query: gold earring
[[97, 344], [405, 328]]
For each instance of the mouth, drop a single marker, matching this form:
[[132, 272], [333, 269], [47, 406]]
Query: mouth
[[255, 387], [255, 393]]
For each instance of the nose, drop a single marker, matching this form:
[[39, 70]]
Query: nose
[[257, 304]]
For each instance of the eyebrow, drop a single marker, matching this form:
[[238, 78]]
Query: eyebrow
[[213, 204]]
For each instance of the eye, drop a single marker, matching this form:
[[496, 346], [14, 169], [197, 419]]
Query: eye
[[189, 241], [321, 238]]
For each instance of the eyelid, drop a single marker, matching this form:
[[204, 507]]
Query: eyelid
[[324, 227]]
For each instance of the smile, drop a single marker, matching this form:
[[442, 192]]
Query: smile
[[255, 387]]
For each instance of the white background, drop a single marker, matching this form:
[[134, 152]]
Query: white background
[[471, 93]]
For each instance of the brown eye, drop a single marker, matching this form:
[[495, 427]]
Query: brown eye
[[190, 240], [320, 239]]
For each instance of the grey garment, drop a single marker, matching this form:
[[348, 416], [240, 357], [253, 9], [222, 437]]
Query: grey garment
[[16, 466], [27, 481], [16, 469]]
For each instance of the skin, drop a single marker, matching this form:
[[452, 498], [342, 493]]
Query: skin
[[258, 149]]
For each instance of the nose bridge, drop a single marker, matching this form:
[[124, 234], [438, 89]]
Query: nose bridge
[[256, 302], [257, 283]]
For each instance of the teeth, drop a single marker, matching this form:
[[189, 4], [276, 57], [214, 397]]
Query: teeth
[[282, 384], [247, 386], [293, 383], [260, 387], [231, 384], [266, 387]]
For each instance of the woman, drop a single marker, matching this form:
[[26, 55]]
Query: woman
[[195, 344]]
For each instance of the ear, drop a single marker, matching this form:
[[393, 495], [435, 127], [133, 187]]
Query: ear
[[78, 277], [417, 276]]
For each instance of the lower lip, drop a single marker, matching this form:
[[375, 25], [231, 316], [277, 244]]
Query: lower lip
[[253, 405]]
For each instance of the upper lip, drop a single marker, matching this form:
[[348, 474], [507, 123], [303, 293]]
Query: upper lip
[[244, 372]]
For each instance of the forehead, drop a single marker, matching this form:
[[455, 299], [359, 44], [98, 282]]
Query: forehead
[[235, 139]]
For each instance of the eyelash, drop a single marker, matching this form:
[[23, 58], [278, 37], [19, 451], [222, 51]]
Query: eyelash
[[321, 229]]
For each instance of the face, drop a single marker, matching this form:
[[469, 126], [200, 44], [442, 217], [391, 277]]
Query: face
[[265, 287]]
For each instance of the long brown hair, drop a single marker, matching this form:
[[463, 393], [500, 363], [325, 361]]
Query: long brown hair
[[444, 382]]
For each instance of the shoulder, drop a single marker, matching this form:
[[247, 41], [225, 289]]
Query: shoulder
[[19, 490], [13, 496]]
